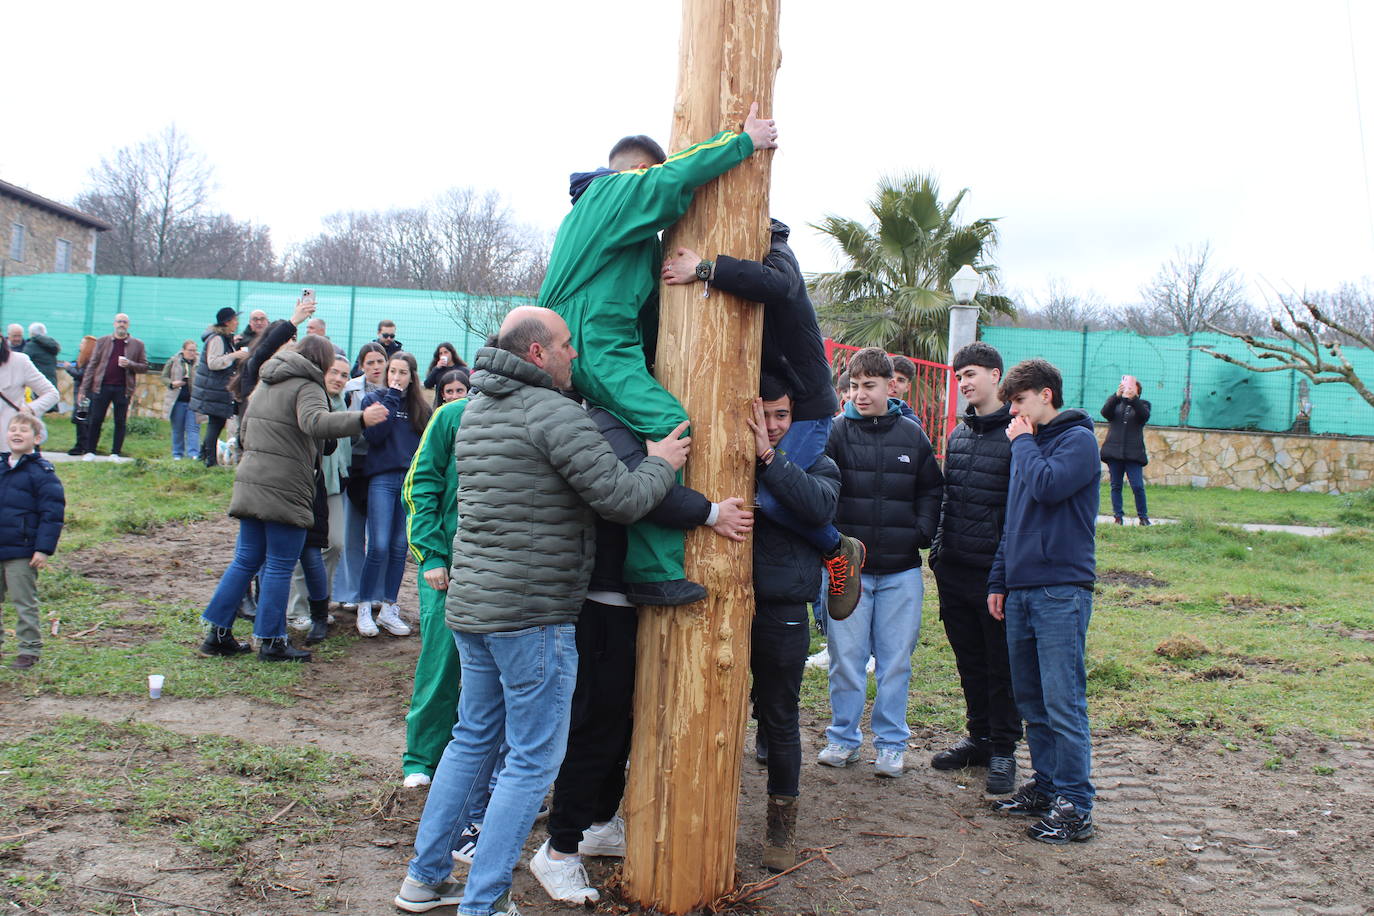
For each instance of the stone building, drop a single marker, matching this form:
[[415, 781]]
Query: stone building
[[41, 236]]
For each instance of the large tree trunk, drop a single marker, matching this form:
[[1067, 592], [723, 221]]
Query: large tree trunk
[[693, 663]]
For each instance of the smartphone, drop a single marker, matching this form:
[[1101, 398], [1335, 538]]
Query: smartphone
[[307, 293]]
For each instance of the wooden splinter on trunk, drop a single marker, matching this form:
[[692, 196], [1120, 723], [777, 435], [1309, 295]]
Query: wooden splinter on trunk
[[691, 685]]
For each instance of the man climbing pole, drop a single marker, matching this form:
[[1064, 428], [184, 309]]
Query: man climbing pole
[[602, 279]]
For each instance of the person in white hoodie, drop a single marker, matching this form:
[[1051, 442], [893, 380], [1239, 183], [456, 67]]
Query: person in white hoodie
[[18, 372]]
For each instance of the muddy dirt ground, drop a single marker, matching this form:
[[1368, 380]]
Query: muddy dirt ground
[[1183, 826]]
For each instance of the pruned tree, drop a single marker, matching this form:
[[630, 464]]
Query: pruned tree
[[1310, 340], [1059, 309], [155, 194], [1189, 294]]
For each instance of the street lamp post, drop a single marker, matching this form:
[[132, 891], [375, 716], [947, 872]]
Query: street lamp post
[[963, 314]]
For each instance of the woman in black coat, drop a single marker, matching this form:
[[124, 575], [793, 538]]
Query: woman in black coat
[[1126, 414]]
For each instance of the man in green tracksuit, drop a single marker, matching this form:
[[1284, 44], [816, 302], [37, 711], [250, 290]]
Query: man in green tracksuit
[[602, 279], [430, 492]]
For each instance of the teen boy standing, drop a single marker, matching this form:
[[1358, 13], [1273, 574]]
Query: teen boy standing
[[890, 491], [1041, 584], [977, 468]]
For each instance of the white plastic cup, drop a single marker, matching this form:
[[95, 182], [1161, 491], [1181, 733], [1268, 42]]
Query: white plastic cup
[[154, 686]]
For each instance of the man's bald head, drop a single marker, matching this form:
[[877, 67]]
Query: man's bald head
[[539, 336]]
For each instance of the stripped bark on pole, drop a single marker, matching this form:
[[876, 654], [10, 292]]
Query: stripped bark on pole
[[691, 686]]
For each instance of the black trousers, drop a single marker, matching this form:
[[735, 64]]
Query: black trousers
[[209, 446], [108, 395], [591, 781], [782, 637], [980, 652]]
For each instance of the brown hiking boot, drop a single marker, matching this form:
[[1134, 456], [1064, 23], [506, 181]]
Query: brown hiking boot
[[846, 585], [780, 844]]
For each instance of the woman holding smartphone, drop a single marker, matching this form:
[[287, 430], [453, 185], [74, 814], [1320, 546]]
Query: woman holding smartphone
[[1124, 451]]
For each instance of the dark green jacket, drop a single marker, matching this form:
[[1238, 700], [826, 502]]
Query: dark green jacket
[[42, 350], [533, 472], [286, 415]]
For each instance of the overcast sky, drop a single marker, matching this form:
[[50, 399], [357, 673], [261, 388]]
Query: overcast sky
[[1102, 137]]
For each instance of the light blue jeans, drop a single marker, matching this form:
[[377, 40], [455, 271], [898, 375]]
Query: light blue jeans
[[1047, 633], [185, 431], [384, 562], [517, 688], [349, 573], [885, 625]]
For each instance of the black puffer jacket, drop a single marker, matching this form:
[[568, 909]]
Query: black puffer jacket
[[210, 393], [890, 486], [1126, 430], [977, 470], [793, 348], [787, 569], [681, 508]]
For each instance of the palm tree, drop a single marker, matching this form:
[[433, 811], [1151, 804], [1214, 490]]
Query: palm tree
[[895, 293]]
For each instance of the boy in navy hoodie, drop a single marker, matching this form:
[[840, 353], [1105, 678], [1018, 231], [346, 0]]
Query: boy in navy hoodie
[[32, 505], [1041, 584]]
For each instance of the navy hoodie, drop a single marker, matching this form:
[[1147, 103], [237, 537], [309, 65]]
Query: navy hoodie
[[1052, 502], [391, 443]]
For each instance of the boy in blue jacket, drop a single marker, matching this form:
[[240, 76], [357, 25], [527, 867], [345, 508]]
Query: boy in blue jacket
[[32, 505], [1041, 584]]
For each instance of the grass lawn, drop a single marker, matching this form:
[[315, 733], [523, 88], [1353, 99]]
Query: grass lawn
[[1245, 506]]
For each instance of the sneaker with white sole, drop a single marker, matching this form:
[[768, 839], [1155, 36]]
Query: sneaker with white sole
[[418, 897], [415, 780], [504, 906], [606, 839], [563, 879], [467, 843], [891, 762], [820, 660], [837, 755], [298, 623], [365, 625], [390, 620]]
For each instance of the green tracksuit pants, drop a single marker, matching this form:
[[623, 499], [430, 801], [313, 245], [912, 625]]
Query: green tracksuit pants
[[438, 681]]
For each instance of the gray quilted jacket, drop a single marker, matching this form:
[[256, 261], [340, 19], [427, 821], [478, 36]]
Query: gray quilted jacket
[[533, 472]]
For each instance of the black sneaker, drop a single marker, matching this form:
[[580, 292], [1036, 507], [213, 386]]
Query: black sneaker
[[670, 593], [1026, 800], [969, 752], [467, 843], [1063, 825], [1001, 775]]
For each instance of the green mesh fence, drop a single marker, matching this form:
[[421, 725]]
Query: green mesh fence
[[1186, 387], [165, 312]]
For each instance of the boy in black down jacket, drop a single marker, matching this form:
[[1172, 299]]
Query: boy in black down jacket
[[32, 506], [890, 492]]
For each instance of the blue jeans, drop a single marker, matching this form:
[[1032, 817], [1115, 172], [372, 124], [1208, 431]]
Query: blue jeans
[[185, 431], [316, 580], [385, 559], [802, 445], [272, 547], [348, 574], [517, 687], [1047, 631], [1135, 473], [885, 624]]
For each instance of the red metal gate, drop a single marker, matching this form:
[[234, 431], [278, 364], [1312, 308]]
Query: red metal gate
[[932, 396]]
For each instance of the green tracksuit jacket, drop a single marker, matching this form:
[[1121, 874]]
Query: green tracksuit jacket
[[430, 493], [603, 270]]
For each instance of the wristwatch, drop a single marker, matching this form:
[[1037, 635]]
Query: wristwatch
[[704, 269]]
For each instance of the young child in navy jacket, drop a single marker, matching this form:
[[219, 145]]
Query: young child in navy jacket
[[32, 506]]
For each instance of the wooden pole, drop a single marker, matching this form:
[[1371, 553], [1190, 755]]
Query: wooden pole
[[691, 686]]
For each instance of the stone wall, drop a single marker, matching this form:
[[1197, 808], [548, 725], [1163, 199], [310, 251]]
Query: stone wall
[[1256, 460], [152, 398], [42, 229]]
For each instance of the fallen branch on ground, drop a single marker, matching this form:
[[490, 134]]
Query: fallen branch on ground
[[188, 906]]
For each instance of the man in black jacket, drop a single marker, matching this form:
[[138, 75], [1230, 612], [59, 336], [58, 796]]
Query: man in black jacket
[[591, 781], [890, 491], [787, 573], [793, 352], [977, 468]]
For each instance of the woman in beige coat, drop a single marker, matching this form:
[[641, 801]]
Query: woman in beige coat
[[274, 492], [18, 372]]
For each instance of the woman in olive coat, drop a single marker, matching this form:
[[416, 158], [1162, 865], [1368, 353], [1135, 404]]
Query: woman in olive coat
[[274, 492]]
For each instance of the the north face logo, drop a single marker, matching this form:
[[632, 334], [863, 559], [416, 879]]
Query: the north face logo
[[906, 459]]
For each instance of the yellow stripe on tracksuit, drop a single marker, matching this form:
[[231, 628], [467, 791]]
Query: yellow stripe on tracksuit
[[407, 486]]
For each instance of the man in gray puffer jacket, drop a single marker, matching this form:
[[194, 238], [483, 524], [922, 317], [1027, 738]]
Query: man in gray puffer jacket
[[533, 473]]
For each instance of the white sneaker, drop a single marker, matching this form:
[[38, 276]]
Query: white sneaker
[[89, 456], [415, 781], [416, 897], [390, 620], [872, 665], [891, 762], [820, 660], [365, 625], [837, 755], [298, 623], [563, 879], [606, 839]]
